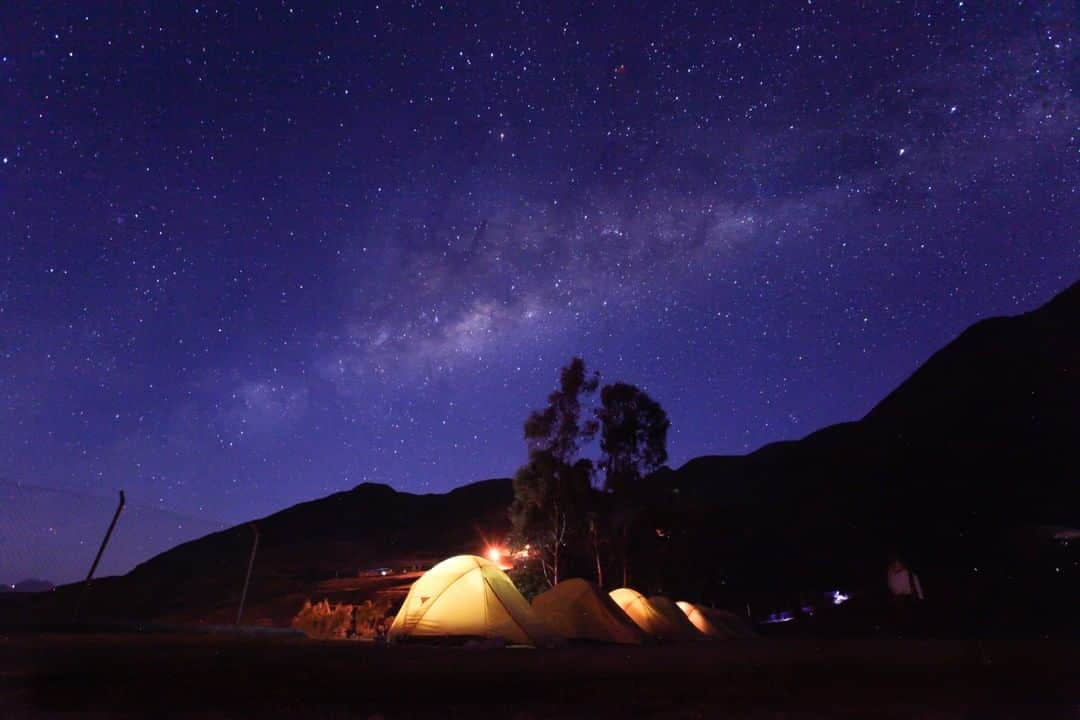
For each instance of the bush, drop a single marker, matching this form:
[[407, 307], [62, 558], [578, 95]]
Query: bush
[[528, 578], [321, 620]]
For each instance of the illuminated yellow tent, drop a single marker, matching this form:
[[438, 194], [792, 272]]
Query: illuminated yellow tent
[[700, 620], [654, 623], [578, 610], [715, 623], [677, 618], [469, 596]]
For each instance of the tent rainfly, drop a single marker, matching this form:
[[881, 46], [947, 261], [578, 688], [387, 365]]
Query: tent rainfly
[[578, 610], [652, 622], [667, 607], [468, 596], [715, 623]]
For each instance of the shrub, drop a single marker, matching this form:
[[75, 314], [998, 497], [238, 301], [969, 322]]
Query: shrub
[[343, 621]]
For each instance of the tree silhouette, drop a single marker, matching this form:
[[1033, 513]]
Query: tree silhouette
[[551, 490], [557, 429], [633, 443], [549, 502]]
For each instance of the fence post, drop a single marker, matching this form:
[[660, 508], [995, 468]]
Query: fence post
[[247, 578], [100, 552]]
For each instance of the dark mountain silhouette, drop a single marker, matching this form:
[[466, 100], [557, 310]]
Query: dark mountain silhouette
[[955, 471], [32, 585], [989, 423], [369, 527]]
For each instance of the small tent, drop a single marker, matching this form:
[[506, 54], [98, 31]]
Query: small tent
[[715, 623], [667, 607], [578, 610], [652, 622], [468, 596]]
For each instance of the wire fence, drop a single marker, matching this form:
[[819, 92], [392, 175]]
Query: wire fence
[[52, 534]]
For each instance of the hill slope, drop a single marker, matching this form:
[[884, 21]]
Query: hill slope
[[979, 443], [989, 422], [951, 470], [343, 534]]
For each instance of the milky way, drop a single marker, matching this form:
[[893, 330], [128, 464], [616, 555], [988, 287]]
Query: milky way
[[254, 254]]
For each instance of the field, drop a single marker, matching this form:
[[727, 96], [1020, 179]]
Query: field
[[132, 675]]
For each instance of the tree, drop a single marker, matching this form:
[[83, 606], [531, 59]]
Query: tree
[[557, 429], [593, 519], [633, 435], [549, 500], [633, 443], [551, 490]]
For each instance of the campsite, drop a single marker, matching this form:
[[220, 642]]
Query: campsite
[[529, 360], [465, 641], [423, 606]]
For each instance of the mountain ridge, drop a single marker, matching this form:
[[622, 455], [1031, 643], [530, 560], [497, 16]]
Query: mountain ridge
[[940, 469]]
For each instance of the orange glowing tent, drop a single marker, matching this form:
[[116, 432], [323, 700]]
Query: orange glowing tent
[[715, 623], [578, 610], [667, 607], [652, 621]]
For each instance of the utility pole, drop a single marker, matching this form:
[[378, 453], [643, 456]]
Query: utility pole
[[247, 578], [101, 550]]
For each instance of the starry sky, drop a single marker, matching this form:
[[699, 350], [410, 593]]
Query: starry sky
[[254, 253]]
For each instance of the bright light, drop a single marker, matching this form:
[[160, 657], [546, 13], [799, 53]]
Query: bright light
[[495, 554], [838, 598], [780, 617]]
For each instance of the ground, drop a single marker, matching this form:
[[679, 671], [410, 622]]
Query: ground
[[279, 676]]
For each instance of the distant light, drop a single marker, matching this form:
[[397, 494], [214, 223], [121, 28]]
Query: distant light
[[495, 554], [780, 617], [839, 598]]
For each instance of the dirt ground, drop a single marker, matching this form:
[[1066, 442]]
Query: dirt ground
[[134, 675]]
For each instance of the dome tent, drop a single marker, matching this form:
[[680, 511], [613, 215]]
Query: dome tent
[[578, 610], [653, 622], [469, 596], [685, 630], [715, 623]]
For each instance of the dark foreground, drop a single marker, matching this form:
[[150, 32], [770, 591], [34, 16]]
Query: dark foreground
[[223, 676]]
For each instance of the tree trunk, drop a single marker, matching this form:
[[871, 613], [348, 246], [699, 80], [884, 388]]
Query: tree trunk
[[555, 564], [599, 565], [625, 557], [544, 567], [557, 531]]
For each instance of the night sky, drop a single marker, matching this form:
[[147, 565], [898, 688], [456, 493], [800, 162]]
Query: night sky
[[251, 254]]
